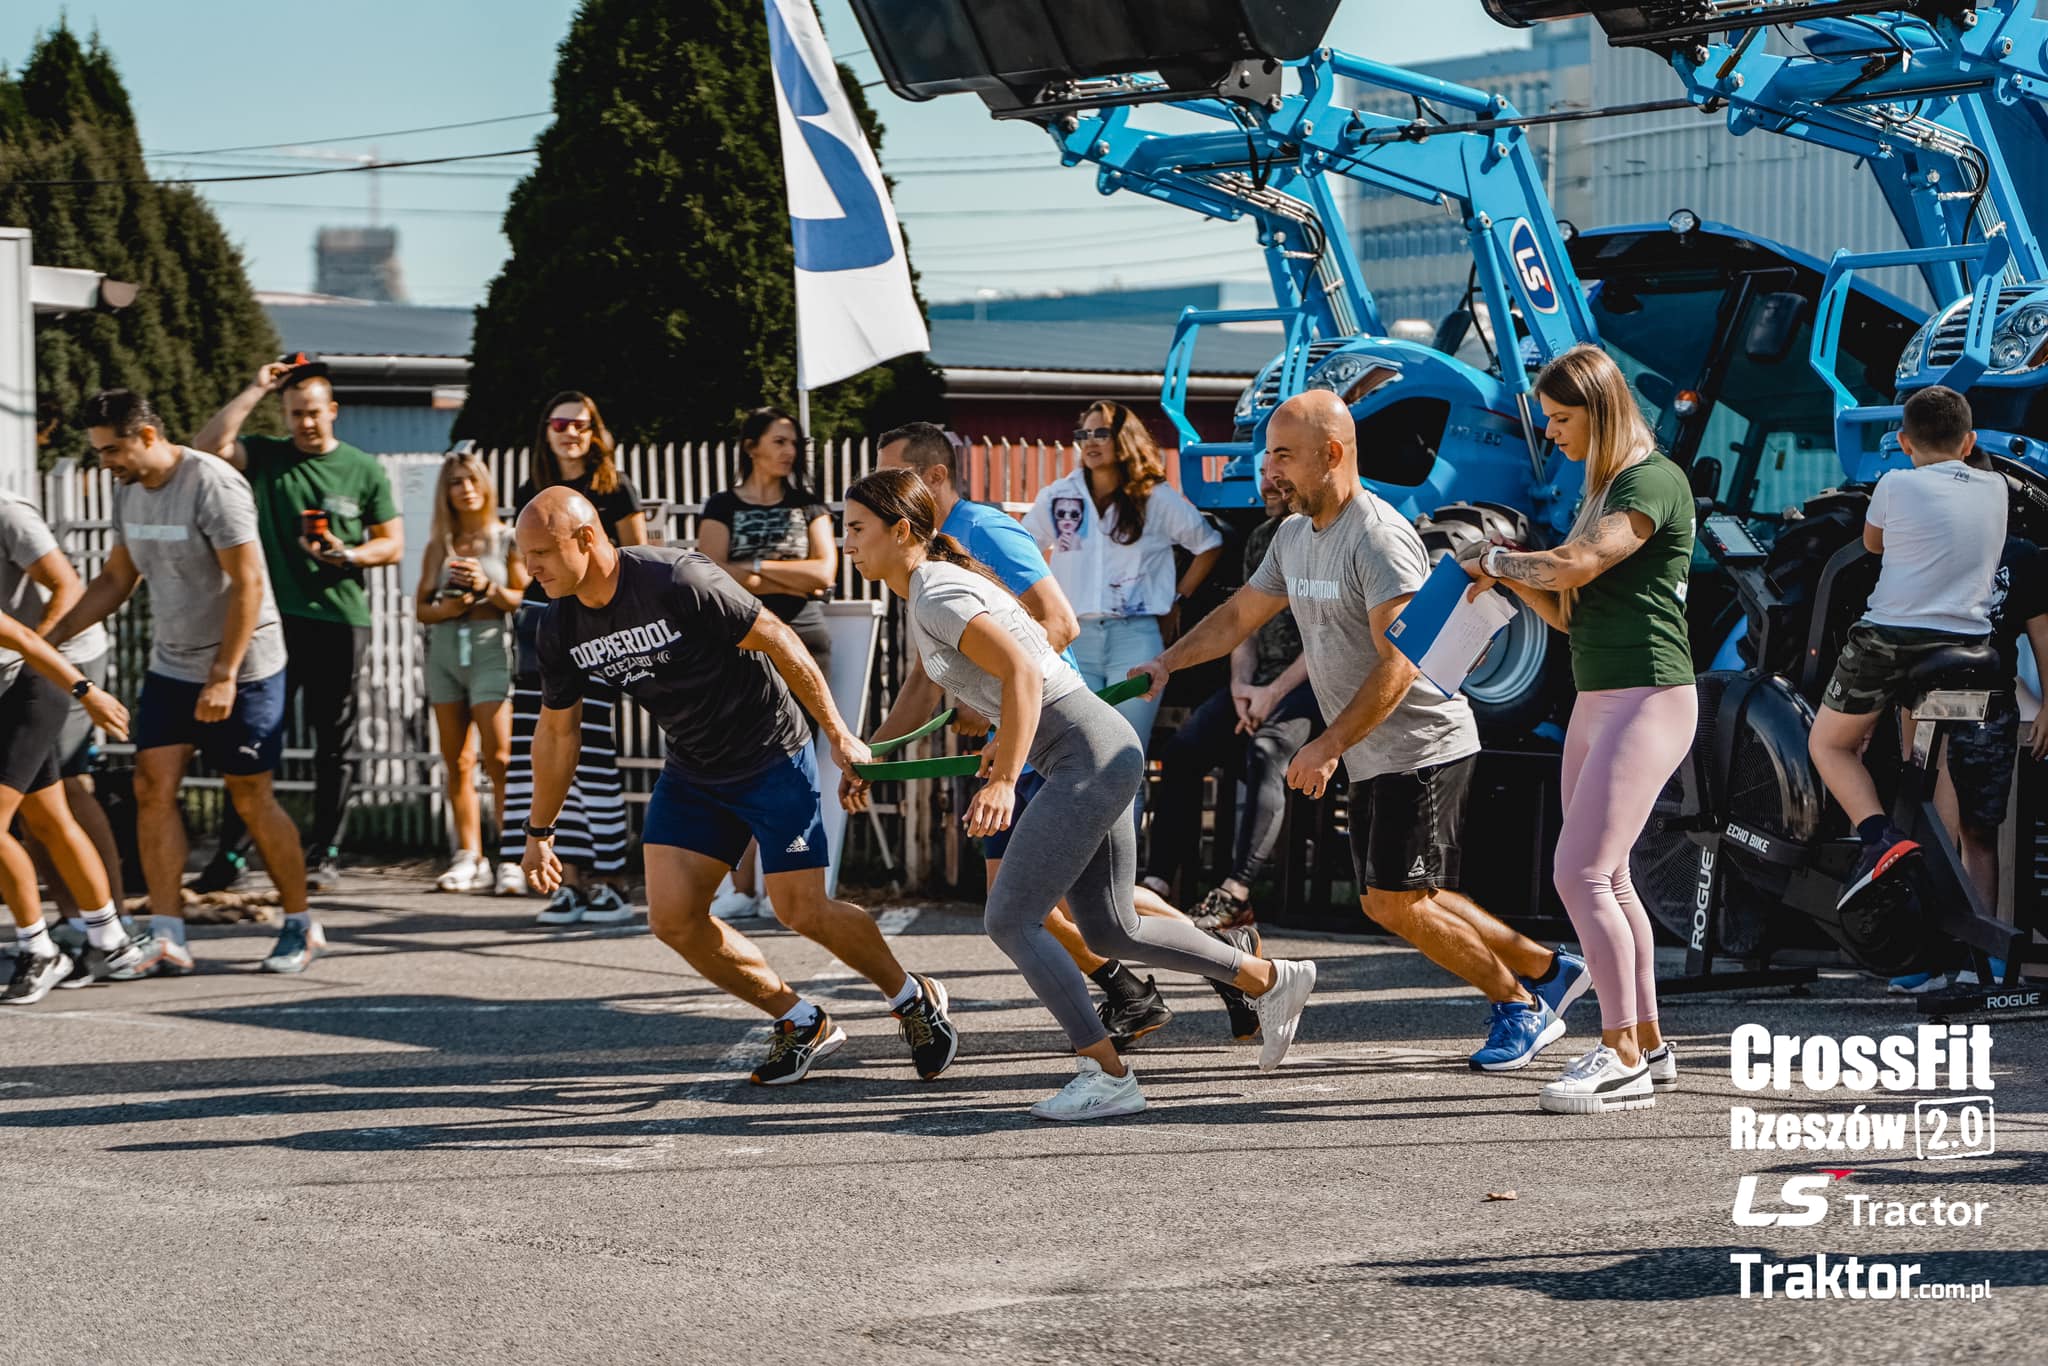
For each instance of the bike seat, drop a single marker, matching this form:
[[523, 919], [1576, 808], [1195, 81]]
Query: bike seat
[[1958, 668]]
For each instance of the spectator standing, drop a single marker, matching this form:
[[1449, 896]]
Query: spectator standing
[[471, 580], [573, 449], [325, 514], [774, 536]]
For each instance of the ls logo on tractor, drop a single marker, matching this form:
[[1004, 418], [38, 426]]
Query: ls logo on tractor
[[860, 237], [1530, 266]]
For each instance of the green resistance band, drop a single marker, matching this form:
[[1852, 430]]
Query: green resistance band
[[964, 765]]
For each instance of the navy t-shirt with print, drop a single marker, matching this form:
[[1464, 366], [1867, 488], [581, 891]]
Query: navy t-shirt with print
[[669, 638], [777, 531], [2019, 593]]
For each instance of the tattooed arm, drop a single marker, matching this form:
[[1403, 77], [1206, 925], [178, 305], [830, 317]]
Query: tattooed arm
[[1540, 577]]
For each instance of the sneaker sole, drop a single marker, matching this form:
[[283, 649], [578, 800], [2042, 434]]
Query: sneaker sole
[[49, 985], [1279, 1039], [1892, 859], [832, 1044], [1595, 1104], [938, 991], [1117, 1111], [1663, 1083], [1573, 992], [551, 918], [307, 962], [1133, 1040], [1550, 1034], [609, 917]]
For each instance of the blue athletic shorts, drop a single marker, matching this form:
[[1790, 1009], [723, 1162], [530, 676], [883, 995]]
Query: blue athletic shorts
[[996, 845], [779, 806], [250, 740]]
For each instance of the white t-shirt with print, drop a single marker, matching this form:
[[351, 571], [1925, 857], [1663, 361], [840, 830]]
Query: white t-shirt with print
[[1101, 576]]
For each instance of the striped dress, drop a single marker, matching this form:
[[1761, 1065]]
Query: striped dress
[[591, 831]]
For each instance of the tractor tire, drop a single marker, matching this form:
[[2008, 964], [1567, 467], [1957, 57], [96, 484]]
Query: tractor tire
[[1525, 678]]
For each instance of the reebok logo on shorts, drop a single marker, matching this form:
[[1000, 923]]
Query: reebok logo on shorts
[[798, 846]]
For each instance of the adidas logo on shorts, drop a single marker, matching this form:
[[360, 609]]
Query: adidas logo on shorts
[[798, 846]]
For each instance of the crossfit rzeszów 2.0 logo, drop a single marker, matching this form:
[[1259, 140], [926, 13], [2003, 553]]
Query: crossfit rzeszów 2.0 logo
[[1538, 285]]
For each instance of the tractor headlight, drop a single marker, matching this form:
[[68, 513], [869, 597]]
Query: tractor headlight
[[1339, 373], [2021, 342], [1915, 352]]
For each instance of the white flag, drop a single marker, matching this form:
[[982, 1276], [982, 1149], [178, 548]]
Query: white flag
[[854, 306]]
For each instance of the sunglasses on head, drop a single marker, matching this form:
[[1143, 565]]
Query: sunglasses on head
[[568, 424], [1094, 433]]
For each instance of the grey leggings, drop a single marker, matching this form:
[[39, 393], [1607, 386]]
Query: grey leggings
[[1075, 841]]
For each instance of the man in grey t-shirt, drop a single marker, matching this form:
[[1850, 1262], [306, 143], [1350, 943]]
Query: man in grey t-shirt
[[1346, 565], [186, 521]]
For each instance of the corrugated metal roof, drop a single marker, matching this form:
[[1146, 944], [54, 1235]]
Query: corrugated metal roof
[[353, 329]]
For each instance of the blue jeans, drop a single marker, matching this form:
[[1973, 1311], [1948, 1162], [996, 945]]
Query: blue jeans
[[1107, 649]]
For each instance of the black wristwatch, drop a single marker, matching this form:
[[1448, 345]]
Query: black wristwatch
[[81, 688], [539, 832]]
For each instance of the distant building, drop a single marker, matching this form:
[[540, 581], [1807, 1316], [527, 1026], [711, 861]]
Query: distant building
[[358, 263], [400, 372]]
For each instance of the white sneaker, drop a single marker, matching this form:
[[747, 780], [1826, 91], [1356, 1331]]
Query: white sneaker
[[738, 905], [1663, 1064], [511, 880], [470, 872], [1093, 1094], [1597, 1083], [563, 908], [1279, 1010]]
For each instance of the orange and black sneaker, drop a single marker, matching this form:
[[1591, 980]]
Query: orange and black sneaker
[[794, 1047], [1132, 1018], [928, 1029]]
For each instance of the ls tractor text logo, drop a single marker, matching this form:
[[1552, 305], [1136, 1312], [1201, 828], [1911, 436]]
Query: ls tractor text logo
[[860, 237], [1803, 1193], [1531, 268]]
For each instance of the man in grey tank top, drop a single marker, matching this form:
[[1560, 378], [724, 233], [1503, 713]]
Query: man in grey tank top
[[1347, 564]]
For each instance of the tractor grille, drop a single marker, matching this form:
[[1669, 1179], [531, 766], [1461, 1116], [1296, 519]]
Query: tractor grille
[[1269, 383], [1945, 347]]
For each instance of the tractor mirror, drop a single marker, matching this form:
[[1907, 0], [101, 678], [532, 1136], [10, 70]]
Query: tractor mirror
[[1451, 333], [1774, 327], [1706, 477], [1654, 387]]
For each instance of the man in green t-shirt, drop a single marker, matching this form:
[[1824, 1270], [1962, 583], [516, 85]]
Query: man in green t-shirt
[[317, 578]]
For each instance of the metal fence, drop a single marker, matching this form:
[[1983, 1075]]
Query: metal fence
[[399, 804]]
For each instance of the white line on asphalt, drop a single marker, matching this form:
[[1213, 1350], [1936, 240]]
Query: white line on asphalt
[[104, 1017]]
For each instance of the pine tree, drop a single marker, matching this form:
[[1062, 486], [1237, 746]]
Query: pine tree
[[195, 332], [651, 263]]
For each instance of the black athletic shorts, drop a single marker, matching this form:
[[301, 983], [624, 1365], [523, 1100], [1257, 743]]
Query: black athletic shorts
[[32, 712], [1405, 827], [1980, 762]]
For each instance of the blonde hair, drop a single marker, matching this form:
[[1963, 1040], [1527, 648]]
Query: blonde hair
[[1587, 378], [446, 523]]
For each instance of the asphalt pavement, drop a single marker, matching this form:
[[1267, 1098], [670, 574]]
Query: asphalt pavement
[[460, 1137]]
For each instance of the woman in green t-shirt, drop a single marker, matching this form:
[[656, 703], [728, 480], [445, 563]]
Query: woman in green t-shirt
[[1617, 587]]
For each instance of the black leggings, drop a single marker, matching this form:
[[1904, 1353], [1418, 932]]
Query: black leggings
[[324, 662]]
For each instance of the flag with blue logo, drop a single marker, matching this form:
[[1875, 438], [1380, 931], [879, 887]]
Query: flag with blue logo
[[854, 305]]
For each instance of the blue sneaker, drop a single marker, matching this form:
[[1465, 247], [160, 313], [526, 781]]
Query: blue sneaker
[[1912, 984], [1519, 1033], [1567, 984]]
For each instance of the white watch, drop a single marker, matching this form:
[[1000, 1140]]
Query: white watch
[[1490, 561]]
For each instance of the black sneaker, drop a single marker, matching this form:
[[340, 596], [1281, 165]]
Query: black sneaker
[[928, 1029], [34, 978], [98, 965], [1130, 1021], [1877, 861], [1244, 1020], [1219, 910], [794, 1048], [221, 874], [323, 876]]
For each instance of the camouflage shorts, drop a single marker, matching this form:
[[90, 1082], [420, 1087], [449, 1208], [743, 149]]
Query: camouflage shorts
[[1981, 758], [1870, 673]]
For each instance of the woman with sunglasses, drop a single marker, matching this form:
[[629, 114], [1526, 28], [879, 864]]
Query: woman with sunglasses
[[774, 536], [572, 448], [1109, 530]]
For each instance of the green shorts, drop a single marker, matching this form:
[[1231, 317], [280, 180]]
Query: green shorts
[[469, 661], [1870, 673]]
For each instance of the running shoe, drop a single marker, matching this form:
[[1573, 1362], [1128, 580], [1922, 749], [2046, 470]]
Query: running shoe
[[738, 905], [1219, 910], [565, 907], [1877, 861], [1244, 1018], [1663, 1064], [1131, 1020], [511, 879], [323, 873], [795, 1047], [470, 872], [928, 1029], [1566, 985], [160, 957], [1916, 984], [1597, 1083], [298, 944], [35, 976], [602, 905], [221, 873], [1518, 1034], [1092, 1094], [1279, 1010]]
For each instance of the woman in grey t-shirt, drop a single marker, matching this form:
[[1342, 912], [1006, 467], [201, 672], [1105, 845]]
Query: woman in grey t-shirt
[[1075, 839]]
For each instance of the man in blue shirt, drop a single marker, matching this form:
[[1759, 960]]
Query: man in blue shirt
[[1134, 1008]]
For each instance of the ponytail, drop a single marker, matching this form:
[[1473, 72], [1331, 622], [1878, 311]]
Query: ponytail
[[946, 550]]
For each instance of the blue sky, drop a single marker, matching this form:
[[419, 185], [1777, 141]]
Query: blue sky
[[250, 73]]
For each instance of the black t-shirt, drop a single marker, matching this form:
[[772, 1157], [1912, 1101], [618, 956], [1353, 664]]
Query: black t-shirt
[[2019, 593], [777, 531], [669, 639]]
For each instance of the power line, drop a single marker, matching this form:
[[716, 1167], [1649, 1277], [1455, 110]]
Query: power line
[[364, 137], [285, 175]]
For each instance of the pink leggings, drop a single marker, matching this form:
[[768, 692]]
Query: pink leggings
[[1620, 750]]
